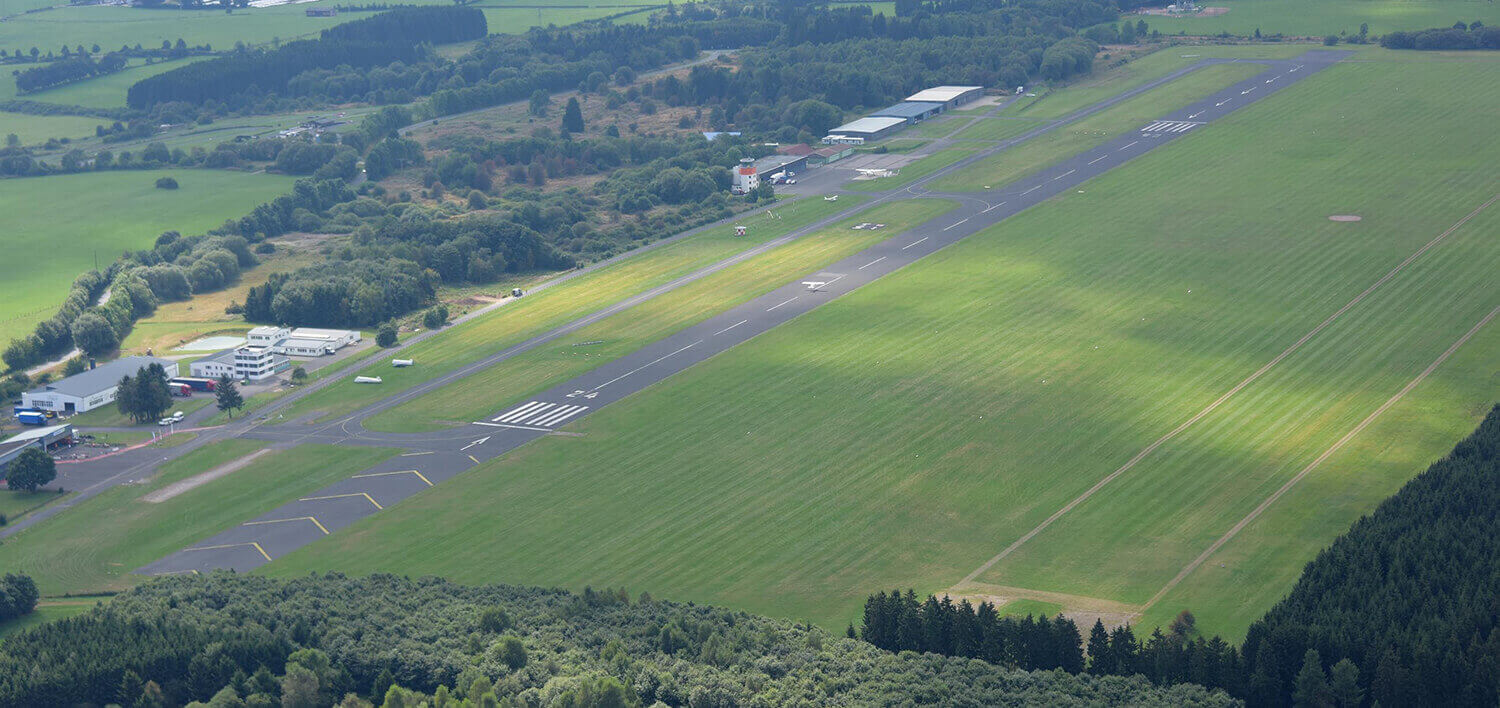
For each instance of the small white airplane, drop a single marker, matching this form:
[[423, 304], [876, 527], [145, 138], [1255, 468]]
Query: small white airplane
[[831, 198], [813, 285]]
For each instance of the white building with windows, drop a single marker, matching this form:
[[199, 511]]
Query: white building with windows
[[302, 341], [248, 362]]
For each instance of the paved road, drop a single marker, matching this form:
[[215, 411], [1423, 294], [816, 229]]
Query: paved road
[[432, 458]]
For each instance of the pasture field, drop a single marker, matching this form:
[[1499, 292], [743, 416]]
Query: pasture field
[[57, 225], [113, 26], [94, 546], [1294, 18], [487, 392], [47, 611], [105, 91], [539, 312], [914, 171], [905, 433], [35, 130], [1035, 154]]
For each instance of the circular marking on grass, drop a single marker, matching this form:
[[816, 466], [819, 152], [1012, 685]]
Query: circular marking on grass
[[1345, 217]]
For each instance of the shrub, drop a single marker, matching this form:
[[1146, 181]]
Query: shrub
[[166, 183]]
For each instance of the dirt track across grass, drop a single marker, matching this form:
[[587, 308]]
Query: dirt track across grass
[[196, 480]]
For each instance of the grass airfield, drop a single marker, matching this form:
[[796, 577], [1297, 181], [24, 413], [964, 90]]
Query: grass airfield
[[906, 433]]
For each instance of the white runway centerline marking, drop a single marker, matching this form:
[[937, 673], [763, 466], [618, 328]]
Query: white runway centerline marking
[[924, 238], [783, 302], [1065, 174], [726, 329], [986, 211], [653, 361], [1029, 191], [1098, 159], [945, 228], [877, 260], [1128, 146]]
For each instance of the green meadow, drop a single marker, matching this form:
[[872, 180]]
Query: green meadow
[[1296, 18], [57, 226], [907, 432]]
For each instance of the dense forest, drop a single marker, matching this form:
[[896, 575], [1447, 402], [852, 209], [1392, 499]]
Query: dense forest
[[315, 640], [76, 68], [1401, 610], [401, 35]]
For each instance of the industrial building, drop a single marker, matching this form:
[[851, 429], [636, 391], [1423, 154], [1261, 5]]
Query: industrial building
[[910, 111], [867, 128], [91, 389], [773, 165], [949, 96], [302, 341], [249, 362], [44, 438]]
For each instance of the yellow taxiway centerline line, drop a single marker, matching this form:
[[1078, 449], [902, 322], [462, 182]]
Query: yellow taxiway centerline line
[[317, 523], [341, 496], [387, 474]]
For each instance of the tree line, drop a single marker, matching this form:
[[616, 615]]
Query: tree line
[[18, 596], [897, 622], [76, 68], [1473, 35], [239, 639]]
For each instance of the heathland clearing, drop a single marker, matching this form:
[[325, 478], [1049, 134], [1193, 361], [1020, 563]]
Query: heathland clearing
[[905, 433]]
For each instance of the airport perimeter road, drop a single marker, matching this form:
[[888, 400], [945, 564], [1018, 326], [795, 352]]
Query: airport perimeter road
[[435, 457]]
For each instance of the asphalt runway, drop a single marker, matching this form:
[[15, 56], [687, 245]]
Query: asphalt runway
[[432, 458]]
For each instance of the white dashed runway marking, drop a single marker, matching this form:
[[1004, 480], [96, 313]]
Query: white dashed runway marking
[[1170, 126], [539, 414]]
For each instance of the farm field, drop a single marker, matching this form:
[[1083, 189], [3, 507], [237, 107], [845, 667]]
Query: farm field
[[904, 434], [35, 130], [1097, 129], [94, 546], [1291, 17], [914, 171], [486, 392], [536, 313], [81, 216], [105, 91]]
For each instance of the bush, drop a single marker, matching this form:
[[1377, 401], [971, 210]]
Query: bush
[[386, 337], [166, 183]]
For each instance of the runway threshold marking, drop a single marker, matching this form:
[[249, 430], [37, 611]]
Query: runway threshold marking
[[913, 243], [367, 497], [783, 302], [726, 329], [508, 425], [316, 523], [653, 361], [388, 474], [252, 544]]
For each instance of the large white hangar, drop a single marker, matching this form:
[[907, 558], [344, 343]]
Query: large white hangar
[[950, 96], [869, 127]]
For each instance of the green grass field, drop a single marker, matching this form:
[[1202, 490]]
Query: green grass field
[[15, 504], [35, 130], [111, 417], [51, 610], [94, 546], [996, 128], [1097, 129], [487, 392], [56, 226], [1296, 18], [534, 314], [907, 432], [105, 91]]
